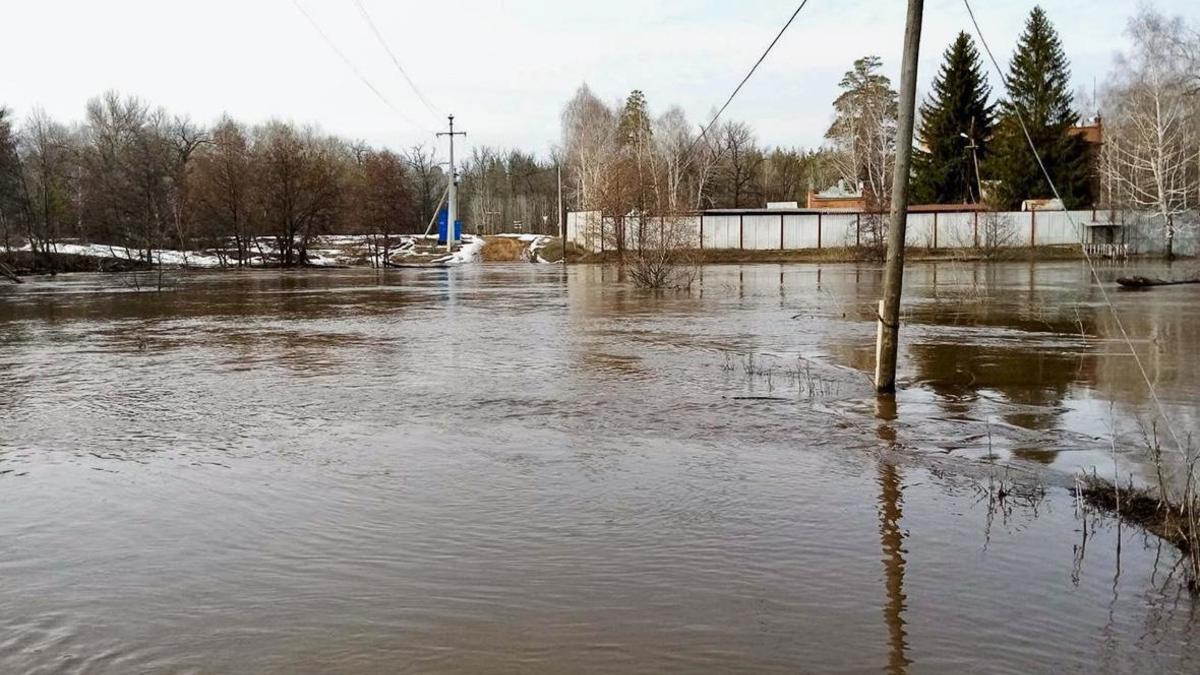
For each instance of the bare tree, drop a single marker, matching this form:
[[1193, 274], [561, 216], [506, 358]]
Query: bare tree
[[591, 148], [300, 174], [664, 254], [672, 138], [184, 138], [46, 154], [705, 158], [1151, 149], [383, 200], [224, 181], [740, 167], [429, 180]]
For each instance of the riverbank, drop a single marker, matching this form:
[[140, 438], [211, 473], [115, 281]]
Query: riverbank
[[329, 251], [420, 251], [850, 254]]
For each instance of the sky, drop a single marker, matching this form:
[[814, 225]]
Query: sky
[[505, 68]]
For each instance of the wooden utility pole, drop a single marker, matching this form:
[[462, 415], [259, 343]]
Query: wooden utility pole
[[452, 209], [893, 279]]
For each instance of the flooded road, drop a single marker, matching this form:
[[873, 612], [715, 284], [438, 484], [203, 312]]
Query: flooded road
[[532, 469]]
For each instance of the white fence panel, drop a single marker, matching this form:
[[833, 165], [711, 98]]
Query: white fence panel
[[1004, 228], [919, 233], [762, 232], [794, 227], [1052, 228], [721, 231], [839, 230]]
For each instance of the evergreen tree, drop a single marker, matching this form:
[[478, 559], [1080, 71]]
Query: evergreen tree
[[1039, 92], [634, 128], [634, 136], [10, 194], [956, 116]]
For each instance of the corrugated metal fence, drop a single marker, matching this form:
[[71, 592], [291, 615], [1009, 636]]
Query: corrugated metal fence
[[790, 230]]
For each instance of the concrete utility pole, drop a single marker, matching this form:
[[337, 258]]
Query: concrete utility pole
[[974, 148], [452, 209], [893, 278]]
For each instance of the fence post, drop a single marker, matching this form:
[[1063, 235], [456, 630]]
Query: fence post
[[819, 231], [1032, 227], [976, 229], [781, 232], [741, 231], [858, 230], [935, 232], [701, 230]]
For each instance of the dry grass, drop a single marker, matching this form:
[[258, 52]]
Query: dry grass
[[553, 251], [1176, 523], [504, 249]]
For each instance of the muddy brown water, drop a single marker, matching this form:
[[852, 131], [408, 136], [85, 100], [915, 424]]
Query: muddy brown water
[[530, 469]]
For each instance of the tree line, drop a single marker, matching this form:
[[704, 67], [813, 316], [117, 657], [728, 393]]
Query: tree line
[[135, 176], [620, 158], [972, 146], [139, 177]]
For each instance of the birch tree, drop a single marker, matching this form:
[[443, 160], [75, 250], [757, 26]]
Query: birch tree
[[1151, 150], [590, 142], [672, 139]]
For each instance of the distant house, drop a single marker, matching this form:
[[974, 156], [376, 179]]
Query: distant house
[[840, 196], [1091, 131], [1043, 205]]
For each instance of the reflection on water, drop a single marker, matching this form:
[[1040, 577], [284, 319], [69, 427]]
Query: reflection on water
[[526, 468], [892, 540]]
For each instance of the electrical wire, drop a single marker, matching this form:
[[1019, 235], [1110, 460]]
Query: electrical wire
[[350, 64], [738, 89], [362, 9], [1158, 404]]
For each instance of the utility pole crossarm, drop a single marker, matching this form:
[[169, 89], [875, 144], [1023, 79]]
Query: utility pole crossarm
[[452, 209]]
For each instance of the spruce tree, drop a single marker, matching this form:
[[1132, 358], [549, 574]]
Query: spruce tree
[[956, 116], [10, 176], [1039, 92]]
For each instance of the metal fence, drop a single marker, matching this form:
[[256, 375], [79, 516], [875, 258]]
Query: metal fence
[[1109, 232]]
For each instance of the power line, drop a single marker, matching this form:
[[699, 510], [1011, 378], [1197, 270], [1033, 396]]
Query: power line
[[738, 89], [383, 43], [350, 64], [1158, 404]]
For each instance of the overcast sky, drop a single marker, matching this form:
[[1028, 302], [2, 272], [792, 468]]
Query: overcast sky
[[504, 67]]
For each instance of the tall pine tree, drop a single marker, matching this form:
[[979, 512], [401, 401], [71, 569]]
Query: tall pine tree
[[1039, 91], [956, 116]]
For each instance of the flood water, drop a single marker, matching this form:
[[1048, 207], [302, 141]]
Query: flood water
[[536, 469]]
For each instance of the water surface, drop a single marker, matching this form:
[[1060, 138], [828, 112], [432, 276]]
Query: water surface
[[532, 469]]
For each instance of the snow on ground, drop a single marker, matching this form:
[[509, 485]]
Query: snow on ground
[[157, 256], [324, 251], [536, 242], [470, 252]]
